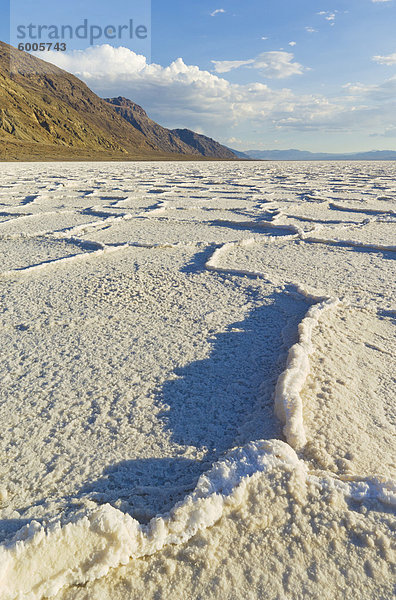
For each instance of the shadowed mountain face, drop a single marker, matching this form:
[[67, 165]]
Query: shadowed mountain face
[[182, 141], [48, 114], [204, 145]]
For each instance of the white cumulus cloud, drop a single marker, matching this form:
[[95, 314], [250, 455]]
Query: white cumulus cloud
[[225, 66], [274, 65], [389, 132], [388, 60], [217, 12], [328, 14], [380, 93]]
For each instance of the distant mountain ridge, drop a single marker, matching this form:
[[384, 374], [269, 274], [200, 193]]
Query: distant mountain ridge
[[293, 154], [48, 114], [240, 154]]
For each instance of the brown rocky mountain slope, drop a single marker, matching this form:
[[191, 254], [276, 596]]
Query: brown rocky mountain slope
[[182, 141], [48, 114], [202, 144]]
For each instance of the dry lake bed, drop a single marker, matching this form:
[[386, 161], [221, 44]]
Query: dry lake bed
[[197, 367]]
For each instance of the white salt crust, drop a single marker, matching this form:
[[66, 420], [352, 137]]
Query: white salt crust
[[40, 560]]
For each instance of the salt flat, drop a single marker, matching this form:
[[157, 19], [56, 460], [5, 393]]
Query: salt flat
[[198, 391]]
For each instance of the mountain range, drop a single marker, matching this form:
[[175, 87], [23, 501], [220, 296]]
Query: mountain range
[[305, 155], [49, 114]]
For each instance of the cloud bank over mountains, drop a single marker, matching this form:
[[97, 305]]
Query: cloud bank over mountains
[[204, 101]]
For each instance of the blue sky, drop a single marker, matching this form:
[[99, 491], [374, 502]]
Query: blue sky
[[318, 75]]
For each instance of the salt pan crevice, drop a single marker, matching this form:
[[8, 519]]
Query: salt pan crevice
[[102, 249], [288, 402], [351, 243], [356, 209]]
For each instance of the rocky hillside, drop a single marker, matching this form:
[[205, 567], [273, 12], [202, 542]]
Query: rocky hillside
[[181, 141], [158, 136], [48, 114], [202, 144]]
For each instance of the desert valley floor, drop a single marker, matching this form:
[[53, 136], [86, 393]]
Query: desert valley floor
[[197, 368]]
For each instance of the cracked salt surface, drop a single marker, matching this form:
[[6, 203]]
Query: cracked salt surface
[[158, 315]]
